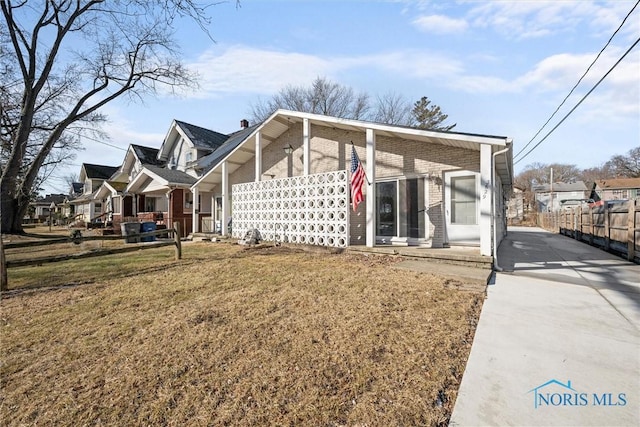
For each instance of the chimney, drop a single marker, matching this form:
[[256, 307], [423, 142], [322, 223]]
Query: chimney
[[244, 123]]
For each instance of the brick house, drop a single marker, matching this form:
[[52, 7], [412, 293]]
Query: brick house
[[289, 178]]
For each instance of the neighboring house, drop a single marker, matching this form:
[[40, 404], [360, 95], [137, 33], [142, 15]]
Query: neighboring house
[[162, 190], [121, 205], [289, 178], [618, 189], [86, 207], [553, 197], [42, 206], [515, 205]]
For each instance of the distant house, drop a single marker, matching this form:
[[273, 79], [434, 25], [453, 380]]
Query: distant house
[[42, 206], [618, 189], [553, 197], [86, 207], [120, 204], [516, 205], [162, 188]]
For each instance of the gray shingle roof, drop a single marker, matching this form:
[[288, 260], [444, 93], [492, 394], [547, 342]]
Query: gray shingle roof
[[560, 186], [235, 139], [171, 175], [55, 198], [98, 171], [201, 137], [146, 155]]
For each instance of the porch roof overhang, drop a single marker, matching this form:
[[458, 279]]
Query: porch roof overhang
[[81, 200], [110, 188], [154, 178], [280, 121]]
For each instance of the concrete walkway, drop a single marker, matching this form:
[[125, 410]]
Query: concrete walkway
[[558, 341]]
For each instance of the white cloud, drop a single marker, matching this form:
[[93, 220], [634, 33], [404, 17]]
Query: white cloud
[[531, 19], [440, 24], [241, 69]]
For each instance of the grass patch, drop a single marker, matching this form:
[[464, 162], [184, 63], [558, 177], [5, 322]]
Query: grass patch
[[228, 336]]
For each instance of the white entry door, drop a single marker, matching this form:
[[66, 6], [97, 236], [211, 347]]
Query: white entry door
[[462, 207]]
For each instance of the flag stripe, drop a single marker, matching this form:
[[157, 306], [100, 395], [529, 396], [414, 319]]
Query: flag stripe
[[357, 179]]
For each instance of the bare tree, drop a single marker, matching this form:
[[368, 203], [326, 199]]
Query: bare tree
[[322, 97], [393, 109], [333, 99], [626, 166], [62, 60]]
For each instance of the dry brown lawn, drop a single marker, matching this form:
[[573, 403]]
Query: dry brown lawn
[[227, 336]]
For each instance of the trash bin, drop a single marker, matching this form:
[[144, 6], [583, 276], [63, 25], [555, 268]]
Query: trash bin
[[145, 228], [130, 230]]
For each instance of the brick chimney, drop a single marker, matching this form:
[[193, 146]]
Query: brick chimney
[[244, 123]]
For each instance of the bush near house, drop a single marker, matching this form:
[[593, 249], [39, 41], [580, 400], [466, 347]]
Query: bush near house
[[226, 336]]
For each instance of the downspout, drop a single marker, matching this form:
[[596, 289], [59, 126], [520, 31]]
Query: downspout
[[496, 266]]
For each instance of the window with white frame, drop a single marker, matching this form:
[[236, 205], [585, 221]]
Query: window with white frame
[[463, 200]]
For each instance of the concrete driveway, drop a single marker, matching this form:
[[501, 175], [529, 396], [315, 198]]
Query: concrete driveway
[[558, 342]]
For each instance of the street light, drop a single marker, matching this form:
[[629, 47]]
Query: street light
[[52, 206]]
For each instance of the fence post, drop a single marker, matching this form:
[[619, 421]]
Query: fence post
[[607, 232], [591, 225], [4, 281], [176, 238], [579, 231], [631, 229]]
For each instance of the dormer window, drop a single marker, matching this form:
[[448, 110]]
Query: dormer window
[[189, 156]]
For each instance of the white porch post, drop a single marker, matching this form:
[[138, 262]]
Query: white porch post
[[371, 188], [306, 149], [486, 196], [194, 218], [225, 198], [213, 212], [134, 208], [258, 157], [169, 219]]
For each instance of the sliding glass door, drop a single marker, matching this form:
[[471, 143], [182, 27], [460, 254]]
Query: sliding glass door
[[401, 211]]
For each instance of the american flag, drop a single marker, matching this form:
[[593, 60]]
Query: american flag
[[357, 179]]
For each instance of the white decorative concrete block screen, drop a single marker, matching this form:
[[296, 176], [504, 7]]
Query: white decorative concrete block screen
[[311, 209]]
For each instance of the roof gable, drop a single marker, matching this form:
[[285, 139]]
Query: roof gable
[[146, 155], [93, 171], [201, 137], [229, 145]]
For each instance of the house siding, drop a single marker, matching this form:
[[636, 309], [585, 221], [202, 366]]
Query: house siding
[[330, 150]]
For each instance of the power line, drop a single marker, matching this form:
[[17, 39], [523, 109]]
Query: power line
[[581, 100], [100, 142], [580, 80]]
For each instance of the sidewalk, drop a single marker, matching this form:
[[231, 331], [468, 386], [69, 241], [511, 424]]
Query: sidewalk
[[558, 341]]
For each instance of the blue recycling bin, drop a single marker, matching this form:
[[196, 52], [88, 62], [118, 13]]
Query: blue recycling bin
[[146, 227]]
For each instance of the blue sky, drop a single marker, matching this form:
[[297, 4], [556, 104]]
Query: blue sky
[[498, 68]]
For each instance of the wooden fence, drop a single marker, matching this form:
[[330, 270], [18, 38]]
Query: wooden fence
[[6, 264], [611, 228]]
